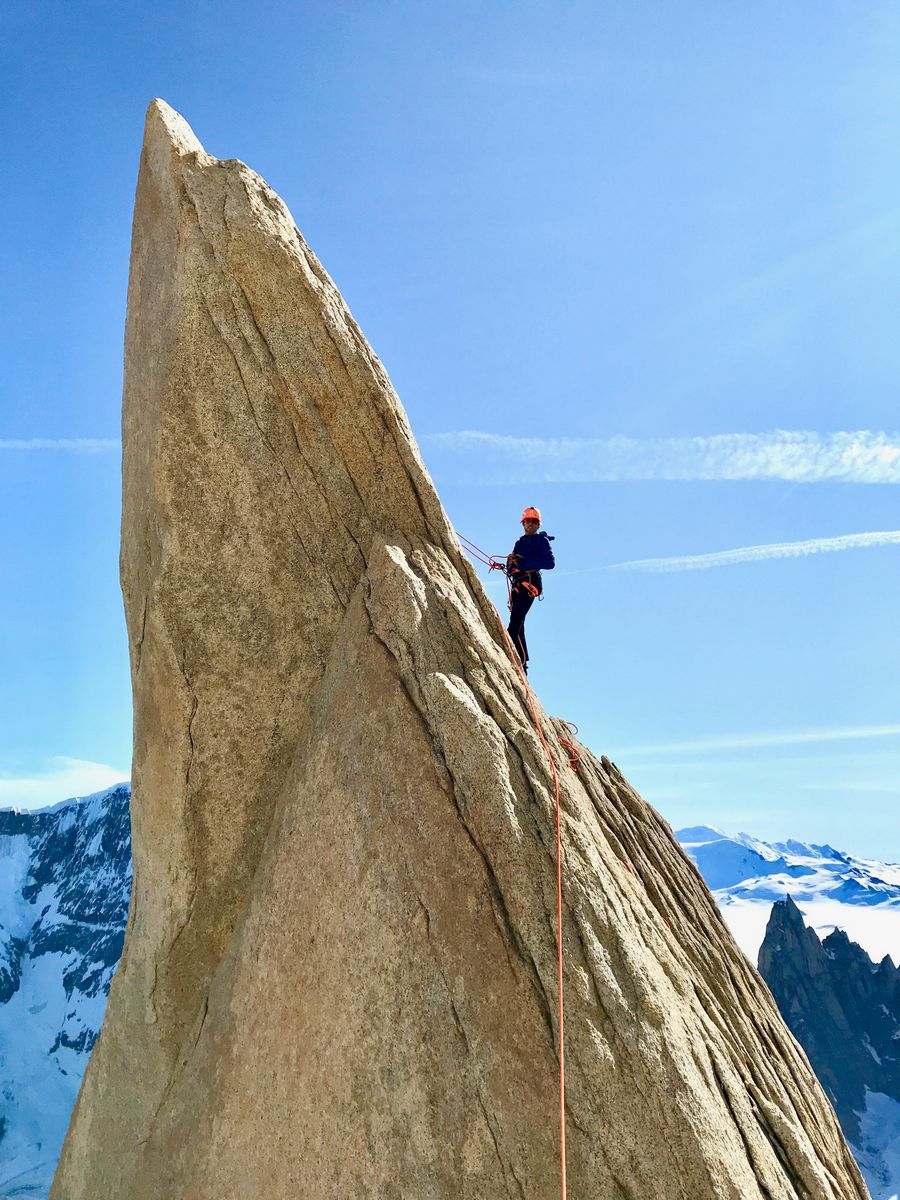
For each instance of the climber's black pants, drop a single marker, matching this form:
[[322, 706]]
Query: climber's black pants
[[522, 601]]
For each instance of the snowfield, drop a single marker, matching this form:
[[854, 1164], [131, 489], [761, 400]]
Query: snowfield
[[833, 890], [878, 1152]]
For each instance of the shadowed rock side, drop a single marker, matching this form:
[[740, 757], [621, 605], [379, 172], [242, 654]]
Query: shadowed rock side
[[843, 1008], [340, 967]]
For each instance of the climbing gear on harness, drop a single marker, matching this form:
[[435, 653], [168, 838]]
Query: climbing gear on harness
[[531, 514]]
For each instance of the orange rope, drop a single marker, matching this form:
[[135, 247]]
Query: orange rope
[[493, 562], [559, 942]]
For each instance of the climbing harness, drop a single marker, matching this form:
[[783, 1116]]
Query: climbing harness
[[496, 562]]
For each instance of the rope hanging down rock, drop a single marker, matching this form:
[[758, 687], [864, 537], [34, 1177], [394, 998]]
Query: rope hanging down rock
[[495, 562]]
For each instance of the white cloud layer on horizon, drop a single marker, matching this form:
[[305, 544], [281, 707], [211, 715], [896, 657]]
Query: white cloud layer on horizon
[[79, 445], [743, 741], [60, 779], [798, 456], [744, 554]]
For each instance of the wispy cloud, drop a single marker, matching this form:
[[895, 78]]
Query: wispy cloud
[[745, 554], [839, 786], [743, 741], [798, 456], [79, 445], [58, 779]]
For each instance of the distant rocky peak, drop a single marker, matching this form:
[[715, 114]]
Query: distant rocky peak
[[888, 967], [843, 1008]]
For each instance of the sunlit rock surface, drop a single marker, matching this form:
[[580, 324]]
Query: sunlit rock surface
[[339, 975]]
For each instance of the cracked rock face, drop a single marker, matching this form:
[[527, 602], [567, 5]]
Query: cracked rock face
[[339, 975]]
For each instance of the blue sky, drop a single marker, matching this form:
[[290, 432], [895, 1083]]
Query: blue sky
[[634, 263]]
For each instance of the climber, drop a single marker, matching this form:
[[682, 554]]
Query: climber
[[530, 555]]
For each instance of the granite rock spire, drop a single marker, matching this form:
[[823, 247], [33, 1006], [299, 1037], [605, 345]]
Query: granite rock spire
[[339, 975]]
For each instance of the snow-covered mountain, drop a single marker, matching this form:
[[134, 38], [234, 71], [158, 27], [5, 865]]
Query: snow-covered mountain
[[842, 1007], [833, 890], [65, 881]]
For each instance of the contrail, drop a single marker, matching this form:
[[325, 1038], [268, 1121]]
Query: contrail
[[79, 445], [800, 456], [727, 558], [743, 741]]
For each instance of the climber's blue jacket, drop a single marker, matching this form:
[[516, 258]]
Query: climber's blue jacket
[[533, 553]]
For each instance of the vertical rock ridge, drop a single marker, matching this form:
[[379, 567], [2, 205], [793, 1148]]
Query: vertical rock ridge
[[339, 975]]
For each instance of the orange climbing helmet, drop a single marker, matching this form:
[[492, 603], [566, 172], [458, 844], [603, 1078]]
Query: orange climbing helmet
[[531, 514]]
